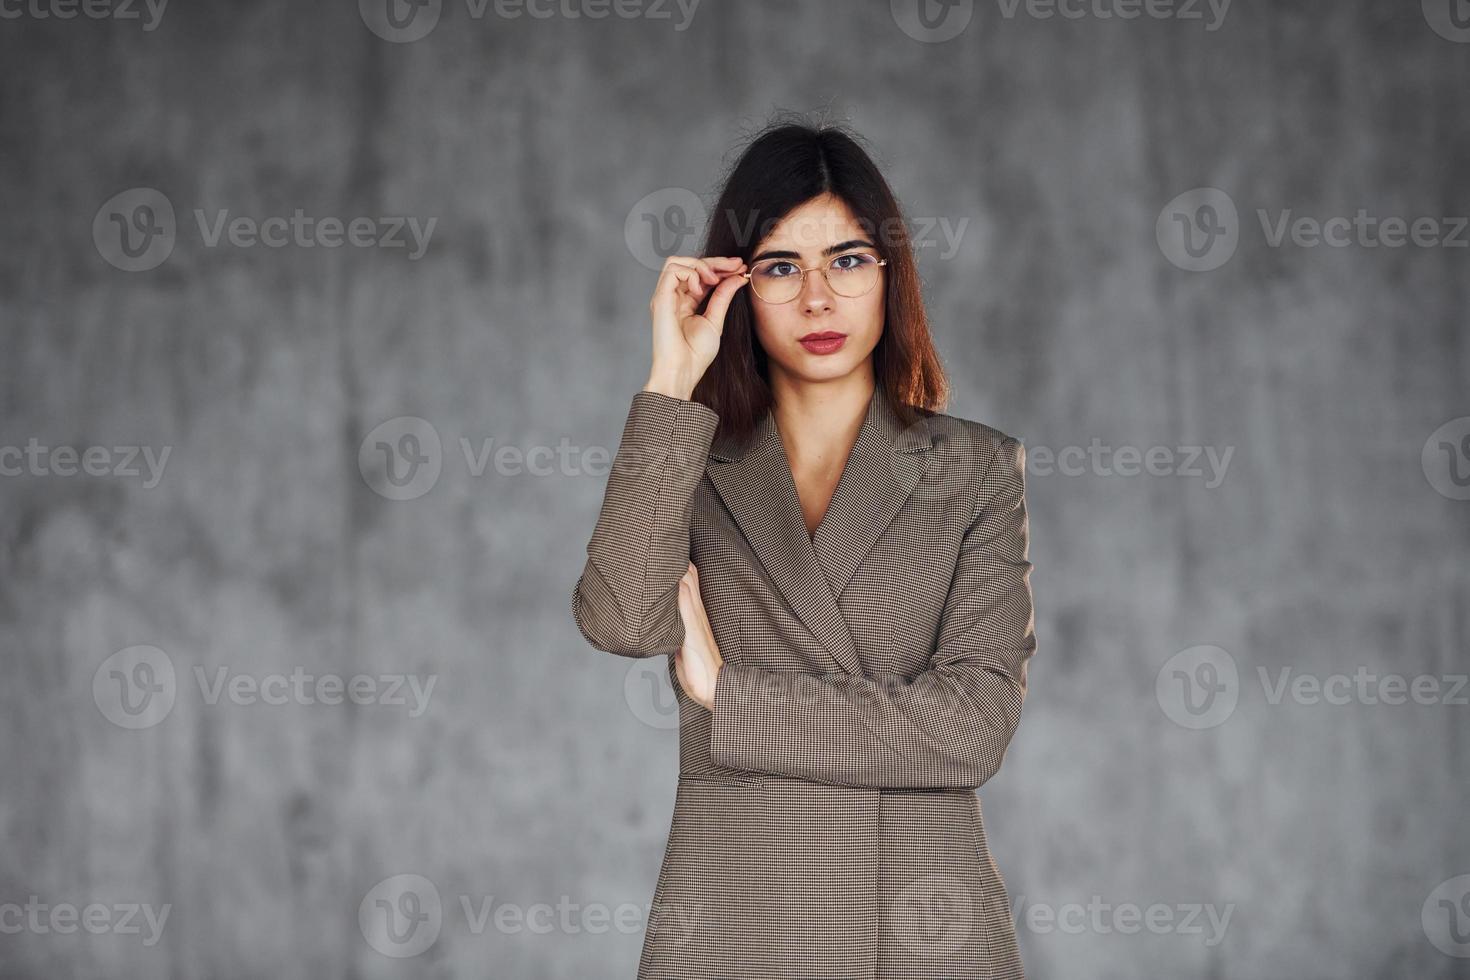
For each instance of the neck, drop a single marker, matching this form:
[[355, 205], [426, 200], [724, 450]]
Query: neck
[[821, 419]]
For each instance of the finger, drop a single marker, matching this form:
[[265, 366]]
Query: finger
[[687, 612], [706, 271], [697, 616], [719, 301], [674, 281], [733, 272], [688, 279]]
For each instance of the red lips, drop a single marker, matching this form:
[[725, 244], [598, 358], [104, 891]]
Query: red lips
[[825, 342]]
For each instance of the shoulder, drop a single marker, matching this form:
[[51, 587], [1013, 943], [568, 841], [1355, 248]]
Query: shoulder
[[957, 437], [981, 457]]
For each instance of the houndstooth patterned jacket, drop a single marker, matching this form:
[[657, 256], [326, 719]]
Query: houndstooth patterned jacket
[[825, 823]]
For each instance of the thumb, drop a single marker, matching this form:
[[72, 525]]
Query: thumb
[[719, 300]]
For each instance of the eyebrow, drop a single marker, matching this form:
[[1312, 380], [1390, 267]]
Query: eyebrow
[[829, 250]]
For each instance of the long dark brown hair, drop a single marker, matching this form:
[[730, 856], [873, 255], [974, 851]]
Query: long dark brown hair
[[785, 165]]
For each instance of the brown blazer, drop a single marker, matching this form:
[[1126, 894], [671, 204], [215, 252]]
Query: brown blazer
[[825, 822]]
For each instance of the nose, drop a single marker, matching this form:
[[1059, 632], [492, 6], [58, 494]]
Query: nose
[[816, 293]]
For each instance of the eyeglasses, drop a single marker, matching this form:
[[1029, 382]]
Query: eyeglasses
[[781, 280]]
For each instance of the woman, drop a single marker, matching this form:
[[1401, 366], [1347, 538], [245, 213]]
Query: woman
[[840, 574]]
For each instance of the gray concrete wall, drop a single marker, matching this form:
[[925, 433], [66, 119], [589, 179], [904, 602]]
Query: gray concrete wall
[[537, 770]]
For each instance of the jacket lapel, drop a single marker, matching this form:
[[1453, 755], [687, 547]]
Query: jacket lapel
[[755, 482]]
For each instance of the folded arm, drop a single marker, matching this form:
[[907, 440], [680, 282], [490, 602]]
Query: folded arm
[[626, 600], [947, 727]]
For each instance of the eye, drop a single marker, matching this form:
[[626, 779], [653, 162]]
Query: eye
[[853, 260], [776, 269]]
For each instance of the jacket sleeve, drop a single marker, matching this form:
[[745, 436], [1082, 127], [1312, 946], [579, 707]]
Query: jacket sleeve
[[626, 600], [948, 726]]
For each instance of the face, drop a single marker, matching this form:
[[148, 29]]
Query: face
[[821, 234]]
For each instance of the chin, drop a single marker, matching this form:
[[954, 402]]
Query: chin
[[814, 367]]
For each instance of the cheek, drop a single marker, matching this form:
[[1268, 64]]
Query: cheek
[[876, 306], [770, 324], [870, 319]]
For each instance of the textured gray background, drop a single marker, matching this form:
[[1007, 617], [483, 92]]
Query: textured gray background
[[543, 771]]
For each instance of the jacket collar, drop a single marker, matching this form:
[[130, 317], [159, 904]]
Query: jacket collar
[[754, 480], [879, 421]]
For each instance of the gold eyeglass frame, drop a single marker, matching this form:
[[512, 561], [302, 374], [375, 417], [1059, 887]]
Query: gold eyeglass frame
[[825, 269]]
